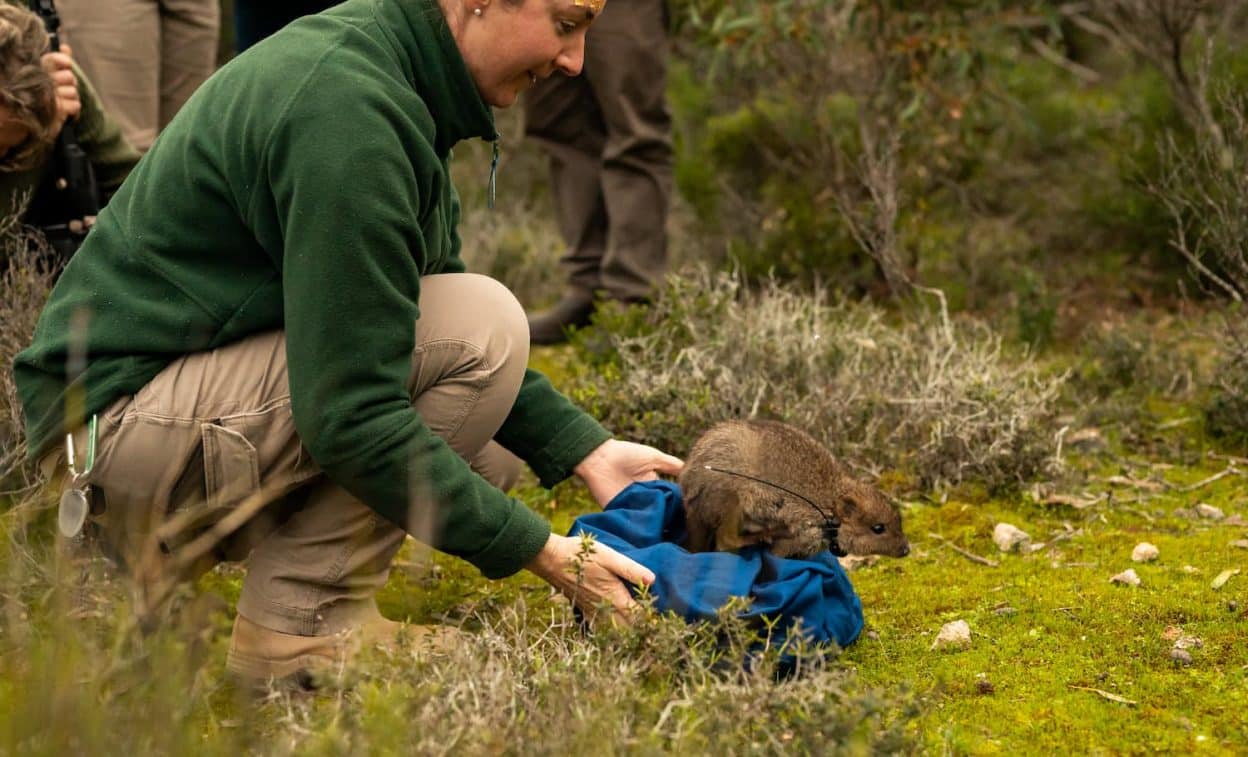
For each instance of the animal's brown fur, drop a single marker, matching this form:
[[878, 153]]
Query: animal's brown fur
[[726, 512]]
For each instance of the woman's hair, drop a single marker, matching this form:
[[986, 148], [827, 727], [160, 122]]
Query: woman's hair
[[26, 90]]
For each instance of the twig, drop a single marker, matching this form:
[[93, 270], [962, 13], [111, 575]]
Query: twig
[[1070, 500], [968, 555], [1136, 483], [1083, 73], [1176, 423], [1111, 697], [161, 576], [1231, 470]]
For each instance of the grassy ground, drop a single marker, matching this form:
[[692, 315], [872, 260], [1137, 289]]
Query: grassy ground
[[1060, 659], [1050, 632]]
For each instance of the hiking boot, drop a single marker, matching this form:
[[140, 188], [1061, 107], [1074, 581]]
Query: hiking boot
[[258, 654], [551, 326]]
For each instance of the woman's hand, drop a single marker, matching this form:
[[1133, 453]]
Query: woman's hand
[[615, 464], [592, 578], [59, 67]]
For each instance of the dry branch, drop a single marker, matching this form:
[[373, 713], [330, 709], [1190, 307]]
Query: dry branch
[[965, 553]]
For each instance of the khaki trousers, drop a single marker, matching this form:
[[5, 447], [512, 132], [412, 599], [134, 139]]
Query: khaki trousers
[[608, 135], [215, 427], [145, 57]]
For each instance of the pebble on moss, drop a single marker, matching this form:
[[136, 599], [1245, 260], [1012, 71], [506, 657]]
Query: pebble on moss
[[1009, 537], [1127, 577], [1145, 552], [1209, 512], [955, 635]]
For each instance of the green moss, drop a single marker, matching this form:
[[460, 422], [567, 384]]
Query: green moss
[[1050, 621]]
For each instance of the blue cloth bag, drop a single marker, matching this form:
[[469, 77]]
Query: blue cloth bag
[[647, 523]]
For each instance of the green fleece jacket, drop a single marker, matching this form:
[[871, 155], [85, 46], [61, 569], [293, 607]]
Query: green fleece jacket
[[101, 139], [305, 186]]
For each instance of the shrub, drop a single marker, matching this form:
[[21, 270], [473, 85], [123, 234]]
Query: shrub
[[27, 271], [1226, 413], [937, 398], [829, 124]]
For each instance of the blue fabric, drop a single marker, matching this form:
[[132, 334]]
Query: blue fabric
[[647, 523]]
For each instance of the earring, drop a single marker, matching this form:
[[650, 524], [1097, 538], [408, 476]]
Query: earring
[[476, 11]]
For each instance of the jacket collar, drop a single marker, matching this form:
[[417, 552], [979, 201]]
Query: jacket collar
[[436, 69]]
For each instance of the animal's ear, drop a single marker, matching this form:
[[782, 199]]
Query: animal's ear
[[849, 504]]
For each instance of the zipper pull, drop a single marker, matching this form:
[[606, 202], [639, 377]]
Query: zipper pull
[[492, 186]]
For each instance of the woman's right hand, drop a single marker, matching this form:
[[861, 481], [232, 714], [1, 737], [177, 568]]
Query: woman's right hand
[[602, 572]]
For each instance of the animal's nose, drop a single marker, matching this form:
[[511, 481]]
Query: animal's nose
[[905, 549]]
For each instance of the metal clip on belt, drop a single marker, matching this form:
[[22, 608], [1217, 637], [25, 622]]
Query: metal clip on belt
[[72, 514]]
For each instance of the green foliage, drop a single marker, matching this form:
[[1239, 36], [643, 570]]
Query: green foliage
[[832, 139], [824, 98]]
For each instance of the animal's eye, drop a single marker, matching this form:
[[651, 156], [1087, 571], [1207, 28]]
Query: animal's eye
[[878, 528]]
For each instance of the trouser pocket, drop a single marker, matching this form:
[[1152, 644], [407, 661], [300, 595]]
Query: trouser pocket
[[231, 467], [219, 476]]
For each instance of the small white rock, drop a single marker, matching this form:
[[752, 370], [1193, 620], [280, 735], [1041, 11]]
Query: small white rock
[[1009, 537], [1127, 577], [955, 635], [1145, 552], [1209, 512]]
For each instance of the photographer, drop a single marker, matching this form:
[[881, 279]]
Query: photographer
[[39, 92]]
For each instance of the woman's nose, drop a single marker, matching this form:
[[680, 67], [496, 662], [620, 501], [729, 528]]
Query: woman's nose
[[572, 58]]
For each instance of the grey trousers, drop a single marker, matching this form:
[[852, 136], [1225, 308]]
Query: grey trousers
[[145, 57], [608, 135], [214, 428]]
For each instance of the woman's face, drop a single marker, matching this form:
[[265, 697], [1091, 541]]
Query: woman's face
[[509, 47]]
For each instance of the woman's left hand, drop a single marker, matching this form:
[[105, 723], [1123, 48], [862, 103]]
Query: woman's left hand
[[615, 464]]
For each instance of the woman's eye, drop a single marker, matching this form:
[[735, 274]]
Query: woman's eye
[[566, 27], [878, 528]]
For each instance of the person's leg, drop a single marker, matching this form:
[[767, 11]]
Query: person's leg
[[188, 51], [214, 428], [200, 438], [562, 117], [317, 573], [117, 44], [626, 64]]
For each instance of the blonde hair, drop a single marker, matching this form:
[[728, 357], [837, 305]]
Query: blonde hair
[[26, 89]]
